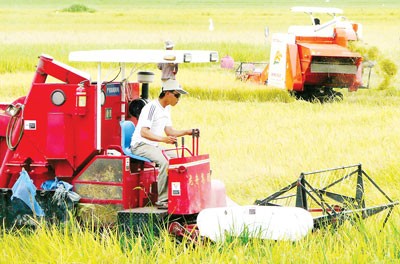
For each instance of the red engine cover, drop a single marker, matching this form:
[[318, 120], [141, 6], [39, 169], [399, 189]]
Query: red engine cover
[[189, 184]]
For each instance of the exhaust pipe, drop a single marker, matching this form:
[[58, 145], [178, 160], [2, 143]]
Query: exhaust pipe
[[145, 77]]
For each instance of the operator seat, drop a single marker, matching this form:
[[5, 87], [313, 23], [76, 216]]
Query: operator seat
[[147, 182], [127, 129]]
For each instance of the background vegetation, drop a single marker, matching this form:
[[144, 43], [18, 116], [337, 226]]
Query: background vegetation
[[258, 139]]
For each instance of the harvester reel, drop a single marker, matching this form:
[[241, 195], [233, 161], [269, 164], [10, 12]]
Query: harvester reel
[[330, 196]]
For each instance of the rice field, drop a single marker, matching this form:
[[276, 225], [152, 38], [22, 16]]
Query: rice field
[[259, 139]]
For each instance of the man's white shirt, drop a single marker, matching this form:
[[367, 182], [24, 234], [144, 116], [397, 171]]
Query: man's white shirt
[[155, 117]]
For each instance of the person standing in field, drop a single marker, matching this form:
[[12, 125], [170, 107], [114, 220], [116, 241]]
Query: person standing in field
[[155, 126], [168, 70]]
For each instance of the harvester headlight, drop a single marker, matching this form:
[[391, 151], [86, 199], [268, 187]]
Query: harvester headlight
[[213, 56], [57, 97], [187, 57], [102, 97]]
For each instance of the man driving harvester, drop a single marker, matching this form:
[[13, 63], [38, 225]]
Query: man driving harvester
[[155, 126]]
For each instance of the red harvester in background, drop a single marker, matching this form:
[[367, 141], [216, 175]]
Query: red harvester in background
[[309, 61]]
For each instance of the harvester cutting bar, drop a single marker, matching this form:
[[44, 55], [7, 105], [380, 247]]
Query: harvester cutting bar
[[312, 194]]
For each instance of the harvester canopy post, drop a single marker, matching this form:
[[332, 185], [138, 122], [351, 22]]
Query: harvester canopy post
[[98, 108], [123, 87]]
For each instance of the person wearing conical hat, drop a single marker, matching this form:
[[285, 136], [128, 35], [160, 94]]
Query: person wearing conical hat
[[168, 70]]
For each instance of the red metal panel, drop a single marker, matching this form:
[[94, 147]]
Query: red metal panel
[[111, 111], [59, 138], [305, 60], [147, 186], [56, 132], [189, 184]]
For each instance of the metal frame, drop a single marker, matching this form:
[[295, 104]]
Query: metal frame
[[242, 70], [347, 208]]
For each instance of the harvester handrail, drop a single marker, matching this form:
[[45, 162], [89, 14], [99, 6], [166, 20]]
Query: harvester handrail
[[310, 10], [327, 24], [181, 149]]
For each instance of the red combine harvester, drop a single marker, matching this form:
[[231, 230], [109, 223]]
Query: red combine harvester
[[309, 61], [65, 146], [78, 132]]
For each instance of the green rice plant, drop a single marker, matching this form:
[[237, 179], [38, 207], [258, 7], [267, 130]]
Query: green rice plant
[[388, 70], [78, 8], [361, 243]]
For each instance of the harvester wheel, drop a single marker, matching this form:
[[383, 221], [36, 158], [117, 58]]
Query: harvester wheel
[[332, 96], [319, 95]]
